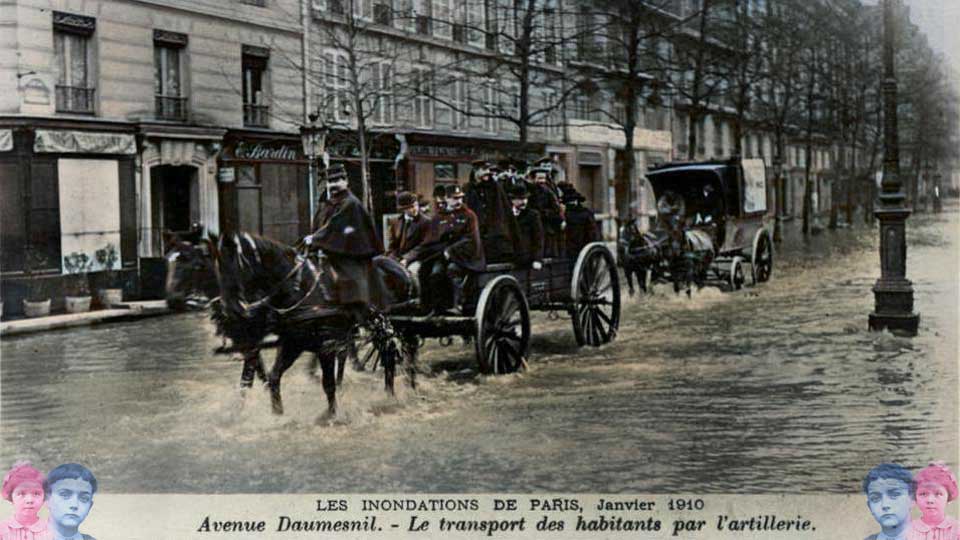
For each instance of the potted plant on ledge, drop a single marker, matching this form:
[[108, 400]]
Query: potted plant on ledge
[[77, 299], [107, 259], [37, 302]]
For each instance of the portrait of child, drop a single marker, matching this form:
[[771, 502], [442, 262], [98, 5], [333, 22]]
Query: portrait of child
[[69, 488], [935, 485], [889, 490], [23, 486]]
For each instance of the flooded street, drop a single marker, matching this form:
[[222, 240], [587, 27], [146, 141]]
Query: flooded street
[[773, 389]]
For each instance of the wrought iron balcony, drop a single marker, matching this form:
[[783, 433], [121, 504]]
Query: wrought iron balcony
[[256, 115], [75, 99], [172, 108]]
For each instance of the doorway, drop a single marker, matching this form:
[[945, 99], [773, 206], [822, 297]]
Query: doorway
[[175, 198]]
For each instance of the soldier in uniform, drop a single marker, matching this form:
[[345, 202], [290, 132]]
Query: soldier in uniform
[[581, 223], [498, 228], [530, 245], [544, 199], [407, 231], [347, 236], [449, 251], [439, 195]]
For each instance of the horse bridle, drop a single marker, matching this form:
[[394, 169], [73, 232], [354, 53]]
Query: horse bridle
[[265, 299]]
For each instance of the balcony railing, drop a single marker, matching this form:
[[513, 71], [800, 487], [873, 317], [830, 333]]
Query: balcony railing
[[172, 108], [460, 33], [424, 25], [256, 115], [75, 99], [383, 14]]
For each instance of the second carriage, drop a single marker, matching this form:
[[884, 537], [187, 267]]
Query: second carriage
[[711, 225], [496, 304]]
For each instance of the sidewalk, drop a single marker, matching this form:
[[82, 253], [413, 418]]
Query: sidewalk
[[127, 311]]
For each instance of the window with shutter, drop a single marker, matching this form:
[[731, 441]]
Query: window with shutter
[[423, 102], [476, 23], [506, 27], [443, 19]]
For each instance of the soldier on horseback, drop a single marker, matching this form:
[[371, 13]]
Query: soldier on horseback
[[347, 237]]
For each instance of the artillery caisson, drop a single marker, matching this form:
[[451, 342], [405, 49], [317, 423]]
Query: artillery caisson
[[495, 310]]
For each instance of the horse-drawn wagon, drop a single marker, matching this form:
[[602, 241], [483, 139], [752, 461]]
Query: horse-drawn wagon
[[711, 224], [495, 309]]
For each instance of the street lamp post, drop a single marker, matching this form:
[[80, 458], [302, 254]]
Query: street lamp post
[[893, 292], [778, 199], [313, 138]]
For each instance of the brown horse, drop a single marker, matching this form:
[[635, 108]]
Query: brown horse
[[266, 287]]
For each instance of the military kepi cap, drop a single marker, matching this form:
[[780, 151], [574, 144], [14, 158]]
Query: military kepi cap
[[454, 191], [335, 173]]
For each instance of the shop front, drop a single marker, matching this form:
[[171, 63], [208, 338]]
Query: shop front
[[263, 186], [600, 160], [177, 188], [67, 194], [433, 160]]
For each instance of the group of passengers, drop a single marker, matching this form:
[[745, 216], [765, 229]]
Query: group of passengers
[[499, 216]]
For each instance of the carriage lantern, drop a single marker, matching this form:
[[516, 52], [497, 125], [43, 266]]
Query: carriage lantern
[[313, 138]]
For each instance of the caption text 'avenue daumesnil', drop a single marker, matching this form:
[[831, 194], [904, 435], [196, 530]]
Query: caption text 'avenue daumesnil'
[[674, 516]]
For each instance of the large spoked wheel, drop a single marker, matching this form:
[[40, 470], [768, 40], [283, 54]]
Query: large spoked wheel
[[595, 291], [762, 267], [503, 327]]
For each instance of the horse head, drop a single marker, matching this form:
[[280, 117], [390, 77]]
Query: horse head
[[252, 269], [190, 269]]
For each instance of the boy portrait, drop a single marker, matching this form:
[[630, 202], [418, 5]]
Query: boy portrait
[[890, 494], [69, 489]]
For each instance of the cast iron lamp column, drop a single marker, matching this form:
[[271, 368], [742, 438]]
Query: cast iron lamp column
[[313, 138], [893, 292]]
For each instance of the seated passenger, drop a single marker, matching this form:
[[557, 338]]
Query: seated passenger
[[582, 227], [450, 250], [498, 228], [407, 231], [530, 245], [544, 199], [439, 195]]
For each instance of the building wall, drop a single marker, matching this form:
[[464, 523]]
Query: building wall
[[122, 64]]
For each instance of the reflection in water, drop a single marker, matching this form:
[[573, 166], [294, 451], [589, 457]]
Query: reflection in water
[[773, 388]]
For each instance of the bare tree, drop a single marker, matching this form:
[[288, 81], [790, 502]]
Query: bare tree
[[697, 66], [518, 83], [781, 49], [354, 72], [630, 64]]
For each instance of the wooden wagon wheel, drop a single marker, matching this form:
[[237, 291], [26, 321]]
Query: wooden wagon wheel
[[503, 327], [595, 292], [736, 277], [762, 267]]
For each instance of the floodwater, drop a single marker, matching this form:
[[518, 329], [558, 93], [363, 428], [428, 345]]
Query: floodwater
[[773, 389]]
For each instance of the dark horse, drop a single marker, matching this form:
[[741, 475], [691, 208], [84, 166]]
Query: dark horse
[[266, 287]]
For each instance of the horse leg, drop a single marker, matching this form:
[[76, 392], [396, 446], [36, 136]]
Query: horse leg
[[388, 359], [328, 362], [629, 273], [286, 355], [250, 356], [351, 353], [409, 344]]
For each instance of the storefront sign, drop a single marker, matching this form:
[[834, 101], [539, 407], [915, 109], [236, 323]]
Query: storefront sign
[[266, 151], [754, 186], [83, 142], [6, 140], [227, 175]]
